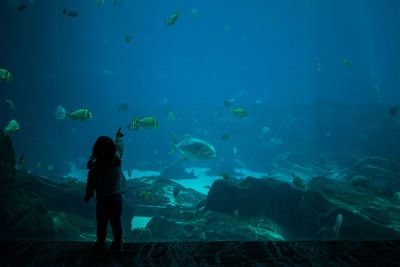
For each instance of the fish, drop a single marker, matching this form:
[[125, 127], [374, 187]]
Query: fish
[[128, 38], [38, 164], [21, 160], [318, 67], [123, 107], [5, 76], [346, 62], [194, 13], [234, 151], [225, 137], [171, 116], [50, 167], [393, 111], [116, 3], [99, 2], [12, 127], [71, 13], [10, 103], [239, 112], [146, 122], [22, 7], [193, 148], [272, 19], [172, 19], [227, 28], [229, 101], [338, 224], [79, 115]]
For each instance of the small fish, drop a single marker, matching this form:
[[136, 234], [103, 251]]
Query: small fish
[[108, 72], [234, 151], [171, 116], [128, 38], [229, 101], [38, 164], [272, 19], [123, 107], [239, 112], [338, 224], [12, 127], [172, 19], [5, 76], [99, 2], [116, 3], [50, 167], [318, 67], [194, 13], [71, 13], [346, 62], [393, 111], [165, 101], [227, 28], [10, 103], [236, 213], [225, 137], [225, 176], [22, 7], [146, 122], [21, 160], [155, 152]]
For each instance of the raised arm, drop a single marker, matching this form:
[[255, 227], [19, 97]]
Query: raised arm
[[119, 143]]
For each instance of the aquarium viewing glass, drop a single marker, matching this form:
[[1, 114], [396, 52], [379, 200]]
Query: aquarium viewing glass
[[241, 120]]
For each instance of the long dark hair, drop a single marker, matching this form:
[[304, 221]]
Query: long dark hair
[[104, 152]]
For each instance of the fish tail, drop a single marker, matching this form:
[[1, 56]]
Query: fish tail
[[135, 124], [173, 149]]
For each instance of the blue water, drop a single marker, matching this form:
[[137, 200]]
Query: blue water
[[249, 50]]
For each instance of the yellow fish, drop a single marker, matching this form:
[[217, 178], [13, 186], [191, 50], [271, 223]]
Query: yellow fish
[[146, 122], [171, 116], [80, 115], [172, 19], [239, 112], [5, 76]]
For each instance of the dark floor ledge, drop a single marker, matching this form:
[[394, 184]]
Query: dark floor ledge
[[291, 253]]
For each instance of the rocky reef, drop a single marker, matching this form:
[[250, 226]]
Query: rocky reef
[[158, 209]]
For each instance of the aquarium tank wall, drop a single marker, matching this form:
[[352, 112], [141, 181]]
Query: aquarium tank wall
[[241, 120]]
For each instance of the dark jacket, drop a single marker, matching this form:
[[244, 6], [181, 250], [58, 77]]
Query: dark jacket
[[106, 179]]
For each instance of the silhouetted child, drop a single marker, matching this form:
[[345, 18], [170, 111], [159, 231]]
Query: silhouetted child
[[106, 178]]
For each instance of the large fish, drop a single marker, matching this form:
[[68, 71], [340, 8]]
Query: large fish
[[193, 148]]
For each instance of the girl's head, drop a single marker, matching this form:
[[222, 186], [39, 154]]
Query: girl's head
[[103, 151]]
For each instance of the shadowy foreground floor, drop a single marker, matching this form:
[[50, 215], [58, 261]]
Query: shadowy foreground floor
[[304, 253]]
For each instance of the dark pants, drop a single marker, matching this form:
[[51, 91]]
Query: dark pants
[[109, 209]]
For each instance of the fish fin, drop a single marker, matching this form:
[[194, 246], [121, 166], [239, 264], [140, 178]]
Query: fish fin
[[173, 137], [173, 149]]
